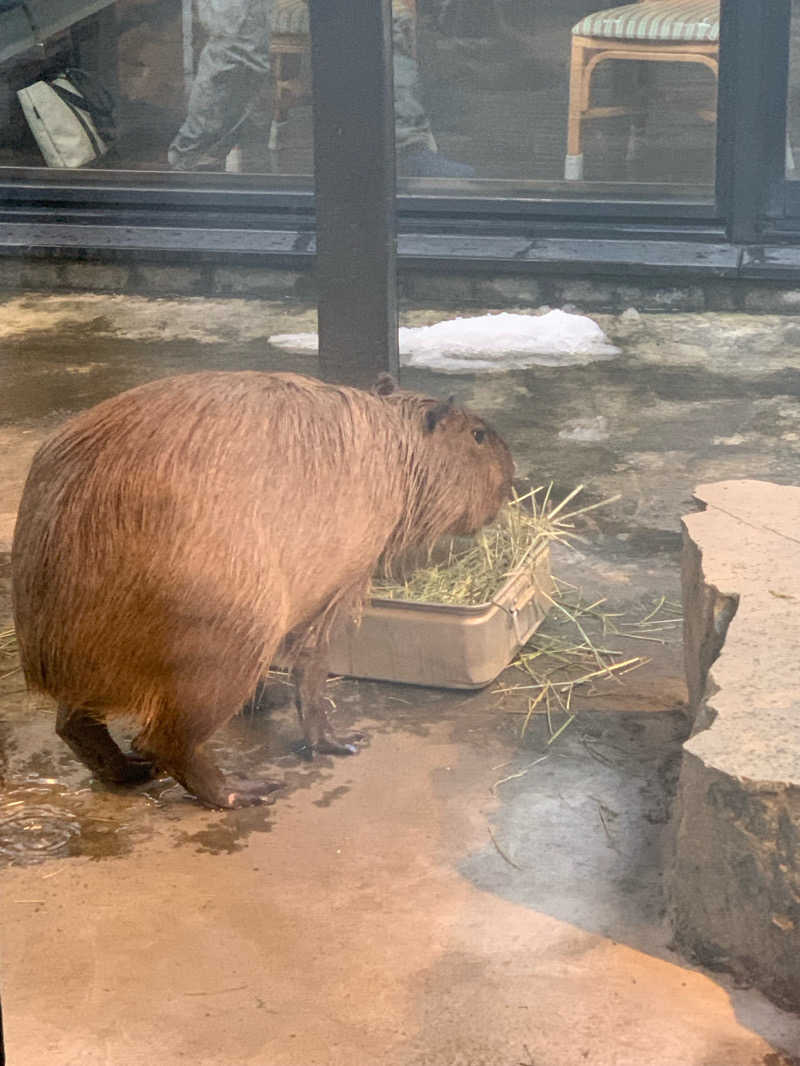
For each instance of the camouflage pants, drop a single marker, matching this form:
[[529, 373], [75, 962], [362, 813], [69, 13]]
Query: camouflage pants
[[235, 62]]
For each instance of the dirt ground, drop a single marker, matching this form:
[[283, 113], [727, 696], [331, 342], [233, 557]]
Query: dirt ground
[[456, 893]]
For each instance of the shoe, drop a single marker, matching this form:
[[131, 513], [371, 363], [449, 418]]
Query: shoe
[[428, 164], [187, 163]]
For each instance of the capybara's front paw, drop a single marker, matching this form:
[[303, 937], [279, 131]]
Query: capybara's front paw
[[330, 744]]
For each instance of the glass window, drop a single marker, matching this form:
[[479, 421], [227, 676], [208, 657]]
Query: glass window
[[793, 99], [514, 97], [198, 87], [530, 91]]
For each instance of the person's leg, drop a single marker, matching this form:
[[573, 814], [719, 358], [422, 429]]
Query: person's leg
[[417, 153], [232, 68], [412, 128]]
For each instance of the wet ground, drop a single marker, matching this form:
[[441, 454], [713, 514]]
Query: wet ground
[[456, 893]]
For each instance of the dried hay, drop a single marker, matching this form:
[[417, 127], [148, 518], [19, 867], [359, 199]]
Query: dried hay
[[556, 664], [8, 641], [471, 573], [8, 652], [570, 652]]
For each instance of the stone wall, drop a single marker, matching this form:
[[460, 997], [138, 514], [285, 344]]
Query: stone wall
[[734, 885], [134, 274]]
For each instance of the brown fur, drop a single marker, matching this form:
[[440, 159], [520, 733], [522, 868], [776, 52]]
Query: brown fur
[[170, 539]]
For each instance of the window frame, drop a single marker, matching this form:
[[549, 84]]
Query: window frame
[[752, 201]]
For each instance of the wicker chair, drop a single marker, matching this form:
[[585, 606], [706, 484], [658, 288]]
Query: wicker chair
[[289, 49], [665, 31]]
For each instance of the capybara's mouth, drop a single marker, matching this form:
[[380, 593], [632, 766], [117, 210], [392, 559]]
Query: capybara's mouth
[[467, 527]]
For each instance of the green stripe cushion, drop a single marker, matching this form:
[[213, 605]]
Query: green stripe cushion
[[290, 16], [655, 20]]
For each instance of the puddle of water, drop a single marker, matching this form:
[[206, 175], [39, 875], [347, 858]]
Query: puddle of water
[[44, 820], [51, 809], [581, 827], [31, 832], [331, 795], [230, 832]]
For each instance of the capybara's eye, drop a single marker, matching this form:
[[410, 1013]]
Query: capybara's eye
[[479, 435]]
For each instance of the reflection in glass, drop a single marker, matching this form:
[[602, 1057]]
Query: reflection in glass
[[631, 86], [793, 99], [498, 97]]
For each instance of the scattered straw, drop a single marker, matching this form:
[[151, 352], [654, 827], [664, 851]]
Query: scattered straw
[[8, 652], [500, 852], [8, 642], [555, 664], [521, 773], [563, 657]]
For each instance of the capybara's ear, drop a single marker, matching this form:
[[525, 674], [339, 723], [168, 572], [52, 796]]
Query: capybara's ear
[[384, 385], [435, 414]]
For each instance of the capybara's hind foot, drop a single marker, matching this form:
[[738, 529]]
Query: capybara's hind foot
[[135, 769], [199, 776], [90, 740], [243, 792], [235, 792]]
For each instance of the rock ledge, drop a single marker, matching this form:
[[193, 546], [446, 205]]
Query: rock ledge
[[734, 884]]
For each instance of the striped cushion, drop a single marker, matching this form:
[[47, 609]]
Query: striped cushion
[[290, 16], [655, 20]]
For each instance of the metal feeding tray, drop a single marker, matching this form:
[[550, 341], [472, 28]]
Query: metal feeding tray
[[442, 645]]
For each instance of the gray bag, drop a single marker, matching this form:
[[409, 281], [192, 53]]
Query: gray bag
[[71, 116]]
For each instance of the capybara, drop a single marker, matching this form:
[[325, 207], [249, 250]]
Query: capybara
[[173, 538]]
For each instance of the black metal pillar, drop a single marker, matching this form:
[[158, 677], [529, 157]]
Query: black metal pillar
[[754, 43], [351, 57]]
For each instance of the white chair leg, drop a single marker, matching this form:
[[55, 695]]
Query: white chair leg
[[573, 167], [187, 29], [274, 135], [233, 161]]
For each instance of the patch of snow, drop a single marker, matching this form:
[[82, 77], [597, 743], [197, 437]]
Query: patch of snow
[[729, 442], [295, 342], [506, 341], [502, 341], [586, 430]]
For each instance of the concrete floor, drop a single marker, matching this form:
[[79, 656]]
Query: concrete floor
[[404, 906]]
